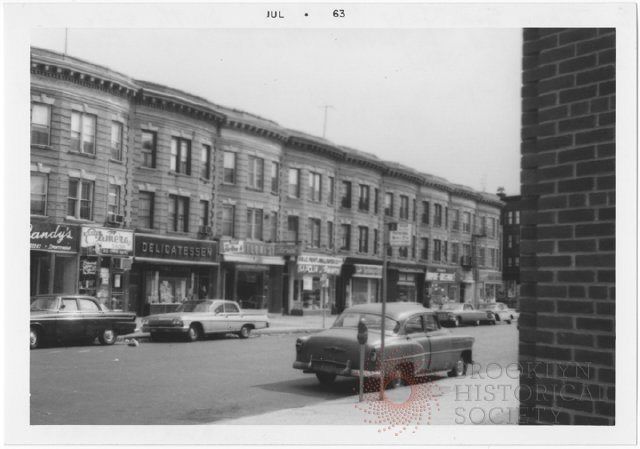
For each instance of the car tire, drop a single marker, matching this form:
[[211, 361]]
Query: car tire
[[107, 337], [459, 369], [326, 379], [35, 338], [194, 333], [245, 331]]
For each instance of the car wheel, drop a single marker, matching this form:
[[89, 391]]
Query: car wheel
[[245, 332], [107, 337], [35, 338], [326, 378], [459, 369], [194, 333], [457, 322], [396, 379]]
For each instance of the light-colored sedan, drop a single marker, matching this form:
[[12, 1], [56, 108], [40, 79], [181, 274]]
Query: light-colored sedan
[[500, 311], [195, 319]]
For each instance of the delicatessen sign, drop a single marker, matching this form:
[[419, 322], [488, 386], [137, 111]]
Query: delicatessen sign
[[183, 250]]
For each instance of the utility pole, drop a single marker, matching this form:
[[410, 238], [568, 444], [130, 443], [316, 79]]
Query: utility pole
[[324, 124]]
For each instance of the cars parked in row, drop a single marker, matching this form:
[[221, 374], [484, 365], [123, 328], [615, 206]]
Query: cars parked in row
[[457, 313], [500, 311], [415, 345], [195, 319], [76, 318]]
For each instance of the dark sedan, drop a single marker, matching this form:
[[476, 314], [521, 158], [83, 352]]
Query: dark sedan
[[456, 314], [415, 345], [70, 318]]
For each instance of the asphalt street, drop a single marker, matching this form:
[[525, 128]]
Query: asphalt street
[[196, 383]]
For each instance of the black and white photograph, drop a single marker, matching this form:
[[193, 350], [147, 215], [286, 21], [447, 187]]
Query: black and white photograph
[[327, 224]]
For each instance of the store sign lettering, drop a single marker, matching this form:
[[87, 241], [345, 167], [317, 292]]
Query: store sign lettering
[[47, 236], [107, 241], [248, 248], [159, 248], [368, 271], [175, 250], [319, 264], [440, 274]]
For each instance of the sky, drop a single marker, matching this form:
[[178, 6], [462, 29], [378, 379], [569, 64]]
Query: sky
[[442, 101]]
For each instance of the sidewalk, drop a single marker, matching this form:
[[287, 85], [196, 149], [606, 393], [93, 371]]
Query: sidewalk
[[469, 400], [278, 324]]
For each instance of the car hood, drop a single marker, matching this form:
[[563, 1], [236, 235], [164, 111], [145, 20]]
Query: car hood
[[168, 316]]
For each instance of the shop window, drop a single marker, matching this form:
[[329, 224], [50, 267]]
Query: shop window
[[330, 236], [294, 182], [40, 273], [145, 209], [256, 173], [116, 141], [292, 228], [229, 167], [388, 204], [315, 186], [425, 212], [113, 200], [64, 274], [314, 232], [40, 124], [205, 161], [80, 199], [404, 207], [345, 236], [332, 189], [363, 239], [180, 155], [204, 214], [437, 215], [254, 224], [346, 195], [178, 213], [39, 184], [363, 202], [149, 139], [275, 177], [83, 133], [228, 220]]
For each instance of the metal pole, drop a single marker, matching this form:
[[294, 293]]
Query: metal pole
[[361, 380], [323, 294], [384, 309]]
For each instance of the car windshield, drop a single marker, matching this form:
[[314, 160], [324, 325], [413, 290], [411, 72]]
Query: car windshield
[[450, 306], [373, 321], [193, 306], [45, 304]]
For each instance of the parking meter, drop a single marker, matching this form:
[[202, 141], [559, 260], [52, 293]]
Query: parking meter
[[363, 335]]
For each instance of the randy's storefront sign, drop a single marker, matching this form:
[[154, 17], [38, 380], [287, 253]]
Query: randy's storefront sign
[[53, 237], [319, 264], [154, 247], [105, 241], [440, 274]]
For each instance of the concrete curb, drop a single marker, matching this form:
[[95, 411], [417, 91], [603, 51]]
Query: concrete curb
[[145, 337]]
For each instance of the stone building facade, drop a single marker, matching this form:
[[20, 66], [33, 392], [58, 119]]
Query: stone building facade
[[567, 261], [165, 196]]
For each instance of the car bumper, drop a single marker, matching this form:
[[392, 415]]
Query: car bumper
[[315, 366], [168, 330]]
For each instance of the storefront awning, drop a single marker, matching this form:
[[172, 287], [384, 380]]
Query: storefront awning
[[253, 259]]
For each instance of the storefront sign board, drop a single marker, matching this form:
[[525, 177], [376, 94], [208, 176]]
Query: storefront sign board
[[318, 264], [53, 237], [179, 250], [401, 236], [368, 271], [107, 241]]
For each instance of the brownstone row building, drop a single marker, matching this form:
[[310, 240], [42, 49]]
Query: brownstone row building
[[144, 195]]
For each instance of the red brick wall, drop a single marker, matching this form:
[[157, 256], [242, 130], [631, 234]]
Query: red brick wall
[[568, 227]]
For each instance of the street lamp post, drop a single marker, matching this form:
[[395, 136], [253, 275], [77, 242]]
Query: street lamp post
[[384, 307]]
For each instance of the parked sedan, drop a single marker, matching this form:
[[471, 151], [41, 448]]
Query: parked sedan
[[195, 319], [456, 314], [500, 311], [415, 345], [67, 318]]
